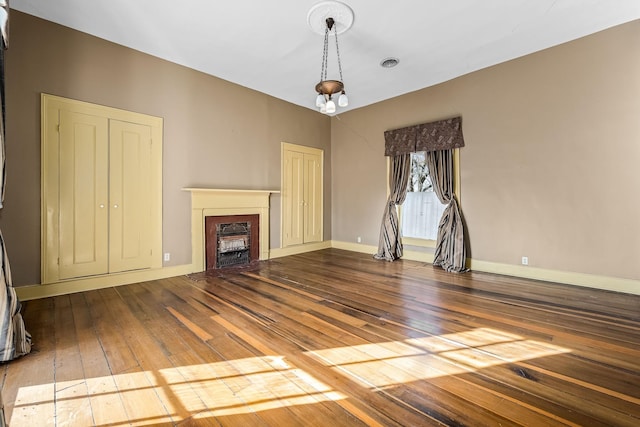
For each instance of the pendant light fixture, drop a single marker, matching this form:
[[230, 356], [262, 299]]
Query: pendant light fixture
[[331, 15]]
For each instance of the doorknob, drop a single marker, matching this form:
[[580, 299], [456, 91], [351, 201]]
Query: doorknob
[[115, 206], [101, 206]]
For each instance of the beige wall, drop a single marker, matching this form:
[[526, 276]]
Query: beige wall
[[549, 170], [216, 134], [550, 167]]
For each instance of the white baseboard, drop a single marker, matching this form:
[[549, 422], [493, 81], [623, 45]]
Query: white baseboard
[[299, 249], [368, 249], [615, 284], [26, 293], [30, 292], [606, 283], [354, 247]]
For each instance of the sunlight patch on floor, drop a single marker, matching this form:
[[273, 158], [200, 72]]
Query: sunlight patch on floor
[[249, 385], [213, 389], [391, 363]]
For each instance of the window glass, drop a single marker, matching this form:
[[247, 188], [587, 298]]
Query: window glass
[[421, 210]]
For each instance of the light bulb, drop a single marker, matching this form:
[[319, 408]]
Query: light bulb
[[331, 107], [319, 100], [343, 101]]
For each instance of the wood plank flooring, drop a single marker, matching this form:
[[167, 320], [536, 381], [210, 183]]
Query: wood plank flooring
[[330, 338]]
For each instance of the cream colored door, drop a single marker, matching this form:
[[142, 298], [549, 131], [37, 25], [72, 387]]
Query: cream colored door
[[83, 197], [129, 196], [101, 191], [293, 198], [301, 194], [312, 198]]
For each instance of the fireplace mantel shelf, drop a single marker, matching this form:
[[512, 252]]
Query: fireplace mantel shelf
[[228, 190]]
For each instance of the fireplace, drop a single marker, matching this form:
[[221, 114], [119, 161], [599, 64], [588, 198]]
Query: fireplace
[[231, 240], [211, 202]]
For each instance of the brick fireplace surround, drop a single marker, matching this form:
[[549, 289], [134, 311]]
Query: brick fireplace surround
[[231, 240]]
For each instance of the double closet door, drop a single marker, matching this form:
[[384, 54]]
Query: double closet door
[[103, 212], [302, 197]]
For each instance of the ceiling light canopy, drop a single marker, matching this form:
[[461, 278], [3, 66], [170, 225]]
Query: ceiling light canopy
[[332, 18]]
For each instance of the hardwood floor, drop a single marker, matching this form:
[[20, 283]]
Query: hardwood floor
[[330, 338]]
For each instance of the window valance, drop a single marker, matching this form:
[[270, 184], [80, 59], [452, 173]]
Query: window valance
[[441, 135]]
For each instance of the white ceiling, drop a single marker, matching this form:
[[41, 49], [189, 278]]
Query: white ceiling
[[268, 45]]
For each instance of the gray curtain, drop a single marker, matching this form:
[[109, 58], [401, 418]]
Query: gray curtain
[[15, 341], [390, 244], [438, 139], [450, 251]]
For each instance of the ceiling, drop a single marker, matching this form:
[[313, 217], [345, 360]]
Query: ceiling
[[269, 46]]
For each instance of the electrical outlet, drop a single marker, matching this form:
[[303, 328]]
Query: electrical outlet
[[359, 239], [167, 256], [525, 260]]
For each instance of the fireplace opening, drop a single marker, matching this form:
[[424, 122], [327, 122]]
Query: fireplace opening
[[231, 241], [233, 244]]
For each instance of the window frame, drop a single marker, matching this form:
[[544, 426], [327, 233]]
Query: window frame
[[426, 243]]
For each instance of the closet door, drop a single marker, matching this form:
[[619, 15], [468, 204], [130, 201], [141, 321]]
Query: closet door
[[83, 220], [312, 198], [130, 242], [101, 191], [293, 198], [301, 194]]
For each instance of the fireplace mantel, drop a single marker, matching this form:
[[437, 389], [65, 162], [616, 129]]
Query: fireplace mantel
[[218, 202]]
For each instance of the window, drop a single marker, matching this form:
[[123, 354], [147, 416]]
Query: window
[[421, 211]]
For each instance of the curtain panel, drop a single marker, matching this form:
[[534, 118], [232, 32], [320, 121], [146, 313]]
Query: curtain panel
[[15, 341], [390, 243], [4, 36], [450, 253], [438, 139]]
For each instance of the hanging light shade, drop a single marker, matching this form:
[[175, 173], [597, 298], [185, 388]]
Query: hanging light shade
[[332, 13], [327, 88], [343, 101]]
